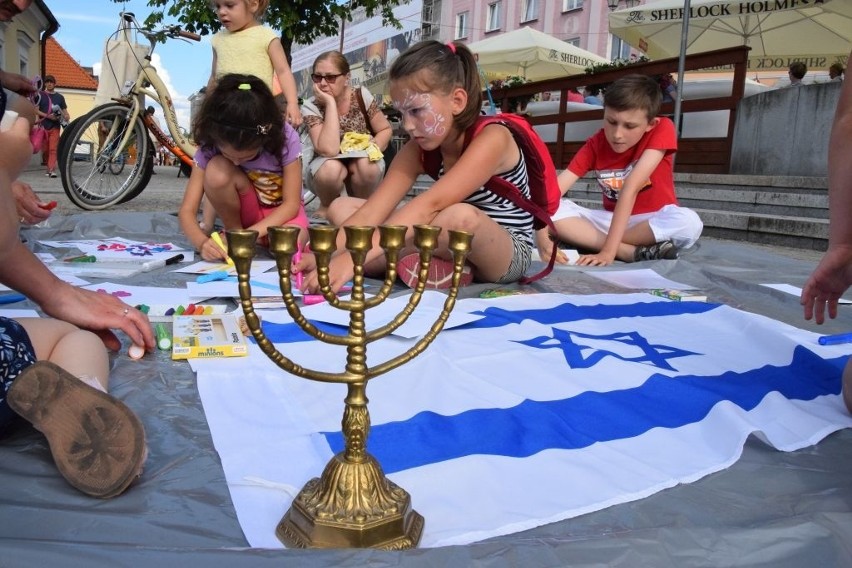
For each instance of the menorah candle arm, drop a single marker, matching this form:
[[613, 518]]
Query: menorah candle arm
[[399, 320], [423, 342]]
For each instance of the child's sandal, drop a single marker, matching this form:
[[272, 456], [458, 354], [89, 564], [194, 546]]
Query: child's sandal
[[97, 442]]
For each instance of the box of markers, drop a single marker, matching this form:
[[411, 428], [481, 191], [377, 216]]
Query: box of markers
[[680, 295], [207, 336]]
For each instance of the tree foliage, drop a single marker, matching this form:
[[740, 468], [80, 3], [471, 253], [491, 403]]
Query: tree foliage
[[299, 21]]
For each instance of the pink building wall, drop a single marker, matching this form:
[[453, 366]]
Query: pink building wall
[[588, 24]]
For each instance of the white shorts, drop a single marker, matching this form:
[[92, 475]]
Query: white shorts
[[680, 225]]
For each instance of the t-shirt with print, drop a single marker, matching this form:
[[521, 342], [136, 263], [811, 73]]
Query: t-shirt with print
[[265, 169], [611, 168]]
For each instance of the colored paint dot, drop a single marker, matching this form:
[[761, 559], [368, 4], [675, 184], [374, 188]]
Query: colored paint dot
[[180, 310], [208, 310], [170, 312]]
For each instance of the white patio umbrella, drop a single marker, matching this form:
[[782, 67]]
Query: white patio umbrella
[[532, 54], [818, 32]]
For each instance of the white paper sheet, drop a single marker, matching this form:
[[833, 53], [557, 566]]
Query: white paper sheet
[[417, 324], [641, 279], [796, 291]]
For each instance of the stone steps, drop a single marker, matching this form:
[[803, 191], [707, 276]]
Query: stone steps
[[785, 211]]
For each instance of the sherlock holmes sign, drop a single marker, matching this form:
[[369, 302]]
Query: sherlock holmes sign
[[724, 9]]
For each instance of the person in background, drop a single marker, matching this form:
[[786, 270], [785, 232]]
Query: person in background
[[53, 112], [836, 71], [833, 275], [668, 87], [334, 111], [797, 72], [591, 96], [632, 159], [574, 96]]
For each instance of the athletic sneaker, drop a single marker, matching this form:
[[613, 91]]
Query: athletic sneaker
[[97, 442], [51, 174], [440, 275], [662, 250]]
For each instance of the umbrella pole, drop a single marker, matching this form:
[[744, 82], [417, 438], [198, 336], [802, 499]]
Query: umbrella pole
[[681, 63]]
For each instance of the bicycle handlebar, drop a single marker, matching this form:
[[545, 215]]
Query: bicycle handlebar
[[189, 35], [129, 19]]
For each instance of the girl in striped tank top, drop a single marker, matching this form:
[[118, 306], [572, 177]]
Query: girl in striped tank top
[[436, 88]]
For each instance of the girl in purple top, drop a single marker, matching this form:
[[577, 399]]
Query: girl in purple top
[[247, 164]]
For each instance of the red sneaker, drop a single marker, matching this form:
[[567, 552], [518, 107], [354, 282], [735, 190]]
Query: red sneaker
[[440, 275]]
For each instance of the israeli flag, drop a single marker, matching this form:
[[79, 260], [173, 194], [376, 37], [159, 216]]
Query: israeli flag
[[546, 407]]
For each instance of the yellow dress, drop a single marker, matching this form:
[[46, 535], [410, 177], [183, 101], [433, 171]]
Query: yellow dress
[[244, 52]]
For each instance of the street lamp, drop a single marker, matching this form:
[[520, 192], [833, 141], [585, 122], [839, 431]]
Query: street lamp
[[613, 4]]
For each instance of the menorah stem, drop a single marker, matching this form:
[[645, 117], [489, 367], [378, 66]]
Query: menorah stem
[[356, 423]]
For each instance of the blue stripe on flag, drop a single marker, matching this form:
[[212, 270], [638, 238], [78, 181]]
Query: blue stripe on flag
[[590, 417], [567, 312]]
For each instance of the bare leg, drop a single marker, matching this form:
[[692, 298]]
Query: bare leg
[[328, 183], [581, 233], [847, 385], [364, 177], [63, 343], [223, 183], [208, 216]]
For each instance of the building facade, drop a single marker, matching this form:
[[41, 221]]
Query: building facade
[[582, 23]]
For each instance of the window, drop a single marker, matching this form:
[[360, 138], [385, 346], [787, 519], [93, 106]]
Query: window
[[493, 17], [530, 10], [568, 5], [461, 25], [24, 45], [573, 41], [620, 49]]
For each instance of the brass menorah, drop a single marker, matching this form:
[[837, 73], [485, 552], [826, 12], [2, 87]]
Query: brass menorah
[[352, 504]]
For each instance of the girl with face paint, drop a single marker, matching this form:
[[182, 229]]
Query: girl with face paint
[[437, 90]]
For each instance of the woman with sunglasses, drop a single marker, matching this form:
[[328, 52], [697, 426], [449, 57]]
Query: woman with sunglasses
[[334, 110]]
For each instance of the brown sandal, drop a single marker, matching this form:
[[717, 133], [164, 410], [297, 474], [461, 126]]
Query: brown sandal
[[97, 442]]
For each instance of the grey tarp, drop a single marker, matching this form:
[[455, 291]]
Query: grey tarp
[[770, 508]]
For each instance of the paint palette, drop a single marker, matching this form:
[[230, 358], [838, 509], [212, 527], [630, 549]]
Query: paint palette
[[166, 313]]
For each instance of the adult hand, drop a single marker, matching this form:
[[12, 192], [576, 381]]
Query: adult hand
[[830, 279], [323, 98], [31, 209], [17, 83], [100, 313]]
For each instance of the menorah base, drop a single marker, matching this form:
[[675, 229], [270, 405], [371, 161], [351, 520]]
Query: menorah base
[[353, 505]]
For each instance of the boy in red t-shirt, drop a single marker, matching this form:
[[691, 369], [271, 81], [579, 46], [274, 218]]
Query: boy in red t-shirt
[[632, 159]]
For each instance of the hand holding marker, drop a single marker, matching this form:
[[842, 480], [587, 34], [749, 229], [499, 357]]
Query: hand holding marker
[[218, 240]]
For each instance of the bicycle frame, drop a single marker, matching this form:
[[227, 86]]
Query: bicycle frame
[[149, 84]]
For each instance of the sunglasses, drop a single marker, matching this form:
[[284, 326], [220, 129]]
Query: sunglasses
[[317, 78]]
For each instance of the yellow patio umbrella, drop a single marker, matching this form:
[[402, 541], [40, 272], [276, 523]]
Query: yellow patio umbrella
[[818, 32], [532, 54]]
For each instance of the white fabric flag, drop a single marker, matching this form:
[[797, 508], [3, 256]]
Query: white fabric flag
[[548, 407]]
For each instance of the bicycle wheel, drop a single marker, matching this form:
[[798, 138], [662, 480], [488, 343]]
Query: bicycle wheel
[[92, 151]]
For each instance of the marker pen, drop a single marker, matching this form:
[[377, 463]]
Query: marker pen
[[164, 338], [835, 339], [311, 299], [154, 264], [12, 298], [218, 240]]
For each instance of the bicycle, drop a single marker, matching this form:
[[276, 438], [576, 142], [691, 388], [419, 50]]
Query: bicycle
[[107, 156]]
